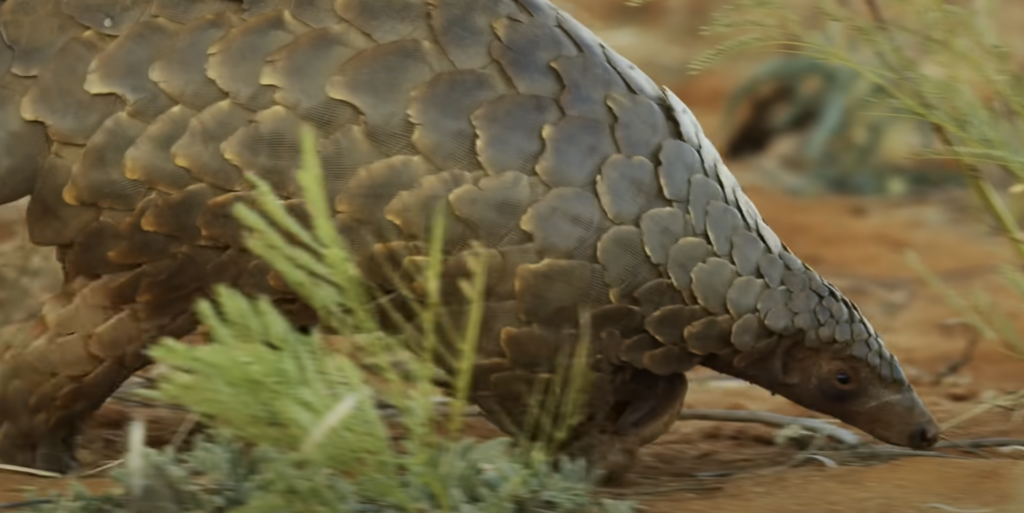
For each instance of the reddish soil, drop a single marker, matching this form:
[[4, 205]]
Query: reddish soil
[[857, 243]]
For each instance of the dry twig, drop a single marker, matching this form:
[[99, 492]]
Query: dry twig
[[966, 356], [817, 426], [29, 471], [1011, 400]]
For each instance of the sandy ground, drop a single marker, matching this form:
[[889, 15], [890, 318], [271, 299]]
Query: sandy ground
[[857, 243]]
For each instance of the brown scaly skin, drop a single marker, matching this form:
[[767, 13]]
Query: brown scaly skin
[[131, 125]]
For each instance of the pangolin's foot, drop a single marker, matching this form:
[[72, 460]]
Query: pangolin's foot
[[610, 455], [52, 450], [617, 459], [83, 347]]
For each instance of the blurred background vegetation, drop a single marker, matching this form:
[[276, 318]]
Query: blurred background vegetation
[[851, 70]]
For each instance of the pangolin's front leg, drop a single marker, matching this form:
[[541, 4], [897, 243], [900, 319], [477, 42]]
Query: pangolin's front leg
[[86, 344]]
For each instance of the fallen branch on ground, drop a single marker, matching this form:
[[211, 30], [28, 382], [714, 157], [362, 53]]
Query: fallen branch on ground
[[980, 443], [817, 426], [29, 471]]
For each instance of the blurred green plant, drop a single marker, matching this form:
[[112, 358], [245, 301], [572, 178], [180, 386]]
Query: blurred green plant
[[977, 307], [842, 141], [793, 93], [837, 108], [937, 62], [299, 423], [965, 87]]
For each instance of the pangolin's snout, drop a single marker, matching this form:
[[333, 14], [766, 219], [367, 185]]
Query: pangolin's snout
[[924, 436], [900, 419]]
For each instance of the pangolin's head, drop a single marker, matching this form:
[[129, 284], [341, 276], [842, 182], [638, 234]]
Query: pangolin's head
[[857, 382]]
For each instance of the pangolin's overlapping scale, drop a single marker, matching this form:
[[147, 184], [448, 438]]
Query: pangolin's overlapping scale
[[387, 20], [493, 207], [454, 270], [723, 222], [123, 68], [662, 228], [315, 13], [298, 71], [499, 316], [36, 31], [177, 214], [628, 188], [235, 61], [531, 349], [567, 222], [180, 71], [551, 292], [668, 323], [415, 210], [574, 149], [588, 82], [640, 127], [379, 81], [525, 50], [111, 17], [140, 246], [441, 110], [634, 349], [683, 257], [637, 80], [51, 221], [23, 144], [97, 178], [217, 225], [512, 258], [657, 294], [103, 236], [542, 10], [593, 193], [343, 153], [268, 147], [621, 252], [509, 131], [198, 149], [58, 99], [710, 335], [375, 185], [149, 160], [185, 12], [464, 30]]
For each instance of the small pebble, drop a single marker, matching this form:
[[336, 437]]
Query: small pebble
[[961, 394]]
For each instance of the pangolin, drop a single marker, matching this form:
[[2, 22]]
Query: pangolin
[[131, 125]]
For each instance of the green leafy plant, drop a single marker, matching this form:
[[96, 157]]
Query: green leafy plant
[[338, 418], [965, 87], [842, 117], [841, 148]]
